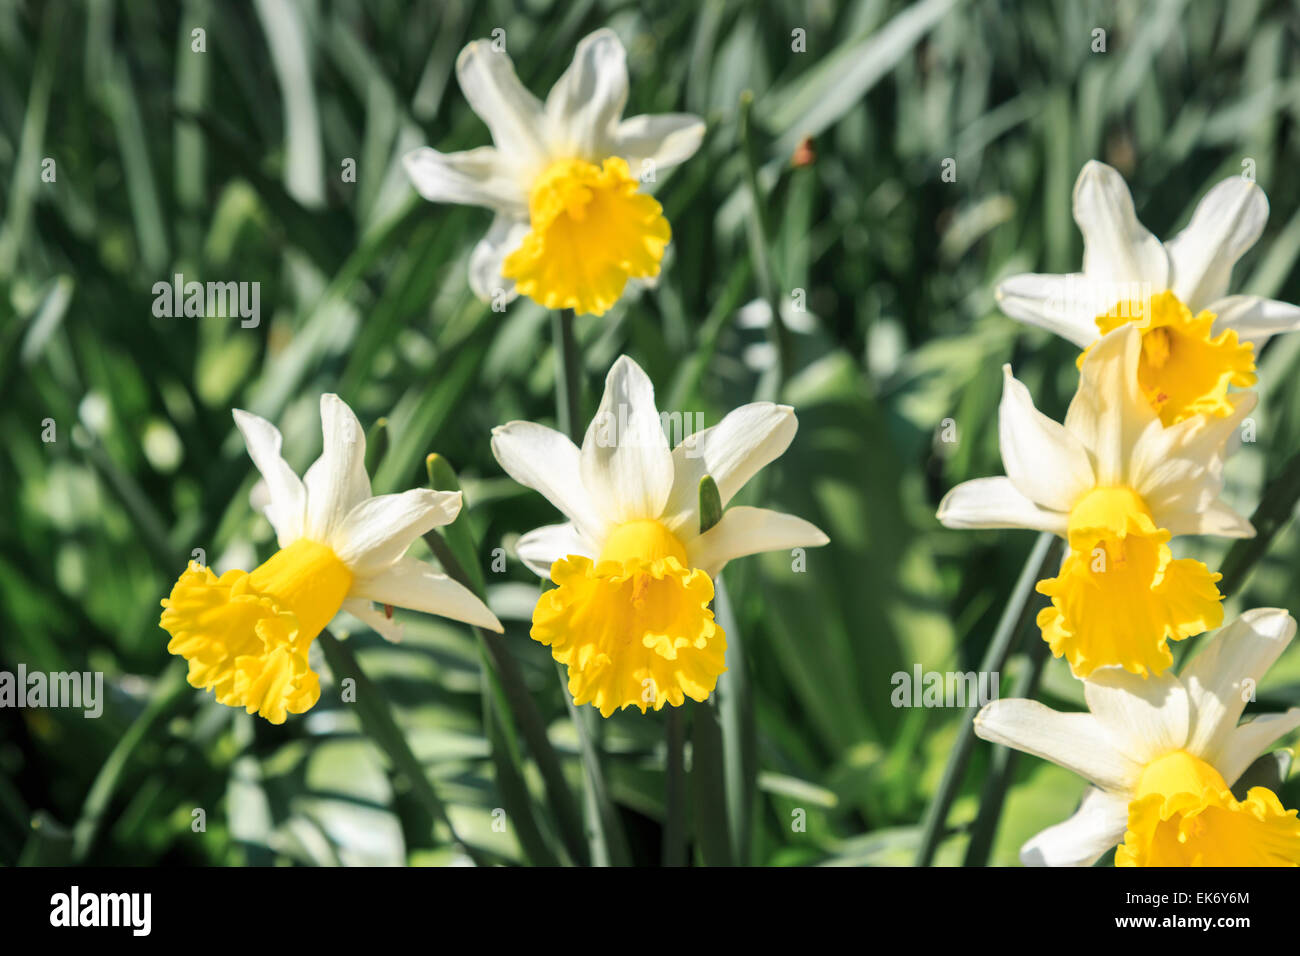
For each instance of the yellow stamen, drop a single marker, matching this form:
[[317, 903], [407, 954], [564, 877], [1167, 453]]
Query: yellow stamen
[[246, 636], [635, 628], [592, 231], [1184, 370], [1120, 596], [1184, 815]]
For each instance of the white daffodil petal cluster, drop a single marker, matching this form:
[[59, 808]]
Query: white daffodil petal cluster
[[564, 178], [629, 616], [1139, 459], [246, 635]]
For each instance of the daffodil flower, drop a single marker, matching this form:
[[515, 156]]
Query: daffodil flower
[[1162, 755], [1196, 339], [572, 224], [630, 615], [1116, 484], [246, 635]]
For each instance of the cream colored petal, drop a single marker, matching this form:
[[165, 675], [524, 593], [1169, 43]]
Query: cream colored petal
[[503, 237], [1098, 825], [1226, 223], [476, 177], [390, 629], [1248, 742], [542, 547], [586, 103], [1144, 717], [513, 115], [1255, 318], [379, 530], [744, 531], [626, 466], [542, 459], [732, 452], [286, 508], [662, 141], [1057, 303], [1178, 470], [1077, 742], [1117, 249], [1108, 414], [417, 586], [995, 503], [1223, 677], [1044, 461], [337, 481]]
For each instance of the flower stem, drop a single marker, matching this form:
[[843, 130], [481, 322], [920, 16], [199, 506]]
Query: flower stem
[[1014, 617], [568, 376], [379, 723], [455, 547], [1002, 765], [708, 785], [674, 847]]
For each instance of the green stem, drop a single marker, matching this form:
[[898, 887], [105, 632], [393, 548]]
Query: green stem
[[608, 843], [1002, 765], [1014, 618], [739, 734], [674, 849], [568, 376], [708, 785], [454, 548], [379, 723]]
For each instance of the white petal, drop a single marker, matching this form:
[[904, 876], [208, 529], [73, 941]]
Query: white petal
[[1217, 679], [485, 279], [586, 103], [1226, 223], [1107, 413], [626, 465], [1144, 717], [542, 547], [1251, 740], [1058, 303], [1178, 471], [1045, 462], [337, 481], [386, 627], [1254, 317], [1076, 742], [732, 452], [477, 177], [1098, 825], [1117, 249], [995, 503], [745, 530], [287, 507], [1215, 518], [663, 140], [512, 114], [379, 530], [543, 459], [415, 585]]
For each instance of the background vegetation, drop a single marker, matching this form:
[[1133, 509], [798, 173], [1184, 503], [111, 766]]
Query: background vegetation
[[226, 165]]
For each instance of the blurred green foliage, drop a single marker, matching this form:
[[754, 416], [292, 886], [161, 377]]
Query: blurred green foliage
[[227, 165]]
